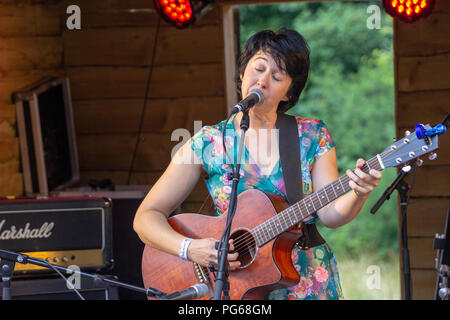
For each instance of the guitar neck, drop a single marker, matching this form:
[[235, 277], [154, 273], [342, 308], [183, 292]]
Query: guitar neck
[[301, 210]]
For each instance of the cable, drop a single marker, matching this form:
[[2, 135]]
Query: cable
[[144, 107], [62, 276]]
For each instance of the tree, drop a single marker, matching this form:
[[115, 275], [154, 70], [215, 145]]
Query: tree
[[351, 89]]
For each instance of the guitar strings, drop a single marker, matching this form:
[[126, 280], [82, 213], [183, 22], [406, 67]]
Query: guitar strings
[[247, 238]]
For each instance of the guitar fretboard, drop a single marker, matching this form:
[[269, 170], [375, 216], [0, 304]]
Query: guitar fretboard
[[298, 212]]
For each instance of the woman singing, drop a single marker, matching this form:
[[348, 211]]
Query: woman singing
[[278, 64]]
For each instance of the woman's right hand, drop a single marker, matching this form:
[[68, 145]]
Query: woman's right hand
[[204, 252]]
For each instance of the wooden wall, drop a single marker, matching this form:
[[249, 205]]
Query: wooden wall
[[134, 80], [422, 63], [30, 48]]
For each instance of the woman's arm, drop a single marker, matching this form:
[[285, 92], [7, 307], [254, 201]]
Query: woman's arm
[[344, 209], [150, 222], [172, 188]]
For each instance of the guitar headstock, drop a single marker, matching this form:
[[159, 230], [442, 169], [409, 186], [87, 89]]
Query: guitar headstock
[[408, 148]]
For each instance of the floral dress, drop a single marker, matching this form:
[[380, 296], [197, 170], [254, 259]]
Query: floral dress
[[317, 267]]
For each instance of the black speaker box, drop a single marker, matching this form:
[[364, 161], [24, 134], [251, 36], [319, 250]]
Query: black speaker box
[[127, 247], [56, 289]]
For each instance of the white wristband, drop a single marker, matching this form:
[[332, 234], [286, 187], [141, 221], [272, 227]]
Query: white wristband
[[184, 247]]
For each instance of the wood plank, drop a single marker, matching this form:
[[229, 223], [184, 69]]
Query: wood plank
[[29, 19], [9, 167], [422, 107], [107, 116], [423, 284], [131, 46], [30, 53], [427, 36], [107, 82], [421, 252], [162, 115], [231, 39], [9, 148], [431, 181], [7, 130], [153, 152], [8, 113], [202, 44], [134, 46], [105, 152], [166, 115], [11, 185], [18, 79], [424, 73], [187, 81], [130, 82], [113, 13], [426, 216]]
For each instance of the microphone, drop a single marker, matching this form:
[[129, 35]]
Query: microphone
[[196, 291], [255, 98]]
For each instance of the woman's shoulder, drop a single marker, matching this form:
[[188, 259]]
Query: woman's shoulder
[[209, 133], [309, 124]]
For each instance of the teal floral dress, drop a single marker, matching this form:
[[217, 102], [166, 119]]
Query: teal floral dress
[[317, 267]]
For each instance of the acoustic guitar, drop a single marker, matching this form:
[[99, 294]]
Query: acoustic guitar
[[261, 234]]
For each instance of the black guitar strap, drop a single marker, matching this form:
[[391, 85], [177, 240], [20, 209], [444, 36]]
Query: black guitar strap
[[289, 149]]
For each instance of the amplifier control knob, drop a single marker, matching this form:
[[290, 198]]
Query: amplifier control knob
[[56, 259], [64, 259]]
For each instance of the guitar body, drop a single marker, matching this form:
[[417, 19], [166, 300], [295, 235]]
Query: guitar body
[[263, 269]]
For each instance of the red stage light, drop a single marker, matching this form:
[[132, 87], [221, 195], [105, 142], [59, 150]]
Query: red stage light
[[182, 13], [408, 10]]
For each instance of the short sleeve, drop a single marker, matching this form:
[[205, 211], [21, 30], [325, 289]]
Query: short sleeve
[[199, 142], [324, 141]]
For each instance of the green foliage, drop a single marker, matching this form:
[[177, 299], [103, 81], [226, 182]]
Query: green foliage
[[351, 89]]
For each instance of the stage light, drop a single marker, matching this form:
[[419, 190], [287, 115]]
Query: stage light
[[182, 13], [408, 10]]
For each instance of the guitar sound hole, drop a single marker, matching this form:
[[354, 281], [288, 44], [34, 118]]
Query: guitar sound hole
[[245, 245]]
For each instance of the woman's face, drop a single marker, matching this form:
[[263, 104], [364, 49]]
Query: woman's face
[[262, 72]]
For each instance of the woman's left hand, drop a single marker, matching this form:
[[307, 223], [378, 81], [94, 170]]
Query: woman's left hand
[[362, 183]]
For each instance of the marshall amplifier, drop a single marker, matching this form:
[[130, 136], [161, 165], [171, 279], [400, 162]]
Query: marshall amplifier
[[63, 231]]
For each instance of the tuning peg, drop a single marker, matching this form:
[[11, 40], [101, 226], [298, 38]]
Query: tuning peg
[[419, 162], [432, 156], [407, 133]]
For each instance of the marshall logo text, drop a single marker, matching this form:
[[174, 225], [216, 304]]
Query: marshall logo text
[[26, 233]]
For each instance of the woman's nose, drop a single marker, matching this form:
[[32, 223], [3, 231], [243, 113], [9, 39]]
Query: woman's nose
[[262, 80]]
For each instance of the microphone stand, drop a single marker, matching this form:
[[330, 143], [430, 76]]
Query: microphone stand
[[9, 260], [403, 189], [222, 283]]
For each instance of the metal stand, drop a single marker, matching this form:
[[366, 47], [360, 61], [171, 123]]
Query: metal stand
[[442, 261], [9, 260], [403, 189], [222, 283]]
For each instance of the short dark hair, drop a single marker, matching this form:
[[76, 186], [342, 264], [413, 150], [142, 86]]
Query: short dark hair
[[291, 53]]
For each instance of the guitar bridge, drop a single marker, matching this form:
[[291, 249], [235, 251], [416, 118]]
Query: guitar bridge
[[202, 274]]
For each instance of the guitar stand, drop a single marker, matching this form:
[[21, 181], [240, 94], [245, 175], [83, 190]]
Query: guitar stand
[[9, 260], [403, 189]]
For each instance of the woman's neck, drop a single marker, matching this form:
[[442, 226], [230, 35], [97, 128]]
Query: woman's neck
[[259, 120]]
